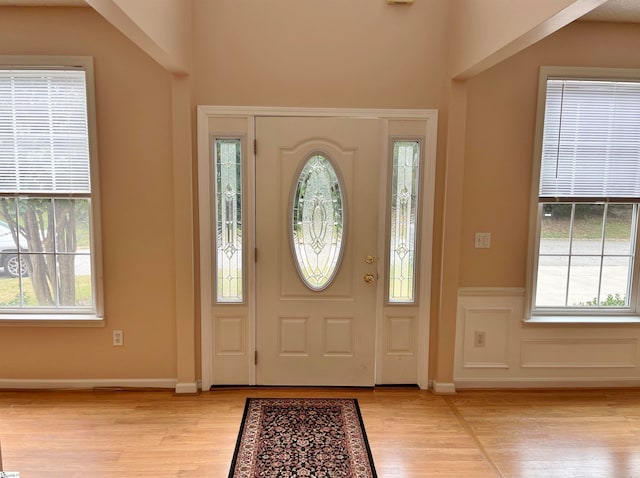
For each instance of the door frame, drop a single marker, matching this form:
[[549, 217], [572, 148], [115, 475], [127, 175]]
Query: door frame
[[249, 113]]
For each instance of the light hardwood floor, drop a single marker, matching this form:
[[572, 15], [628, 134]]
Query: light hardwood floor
[[412, 433]]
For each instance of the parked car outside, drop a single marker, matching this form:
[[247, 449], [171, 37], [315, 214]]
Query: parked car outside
[[9, 260]]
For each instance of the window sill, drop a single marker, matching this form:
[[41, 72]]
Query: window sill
[[583, 320], [51, 320]]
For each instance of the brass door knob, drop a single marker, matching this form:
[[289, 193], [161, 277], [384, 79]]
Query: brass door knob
[[369, 278]]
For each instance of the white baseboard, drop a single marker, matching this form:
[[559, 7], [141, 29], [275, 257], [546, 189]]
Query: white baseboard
[[187, 387], [444, 388], [469, 384], [86, 384]]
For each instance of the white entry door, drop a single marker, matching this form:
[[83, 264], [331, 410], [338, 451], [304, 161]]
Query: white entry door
[[317, 186], [339, 210]]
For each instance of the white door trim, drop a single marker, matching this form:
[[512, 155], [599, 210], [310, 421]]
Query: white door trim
[[204, 113]]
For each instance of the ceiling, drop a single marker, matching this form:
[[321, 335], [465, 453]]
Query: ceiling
[[623, 11]]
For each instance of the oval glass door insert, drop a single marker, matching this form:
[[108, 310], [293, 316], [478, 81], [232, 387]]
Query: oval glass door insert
[[317, 223]]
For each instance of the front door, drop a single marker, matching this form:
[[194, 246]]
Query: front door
[[317, 185]]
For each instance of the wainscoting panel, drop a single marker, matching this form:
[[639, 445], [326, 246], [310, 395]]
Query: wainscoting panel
[[486, 337], [511, 353], [569, 353]]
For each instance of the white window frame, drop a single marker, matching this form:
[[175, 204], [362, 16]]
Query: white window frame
[[629, 314], [68, 317]]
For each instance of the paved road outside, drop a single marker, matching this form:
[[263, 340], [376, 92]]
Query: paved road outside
[[584, 274]]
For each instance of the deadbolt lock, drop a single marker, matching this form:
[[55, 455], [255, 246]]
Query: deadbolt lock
[[369, 259]]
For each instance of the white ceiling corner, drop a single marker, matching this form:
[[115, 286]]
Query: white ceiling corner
[[619, 11]]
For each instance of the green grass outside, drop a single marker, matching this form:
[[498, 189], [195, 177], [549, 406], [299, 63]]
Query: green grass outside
[[616, 230], [83, 237], [10, 292]]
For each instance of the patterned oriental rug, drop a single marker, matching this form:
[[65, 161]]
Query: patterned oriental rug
[[302, 437]]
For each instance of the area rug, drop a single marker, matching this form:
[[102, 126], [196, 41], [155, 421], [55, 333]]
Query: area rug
[[302, 437]]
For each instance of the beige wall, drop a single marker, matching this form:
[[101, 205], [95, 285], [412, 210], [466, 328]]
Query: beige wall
[[161, 28], [133, 99], [319, 53], [488, 31], [347, 55], [501, 113]]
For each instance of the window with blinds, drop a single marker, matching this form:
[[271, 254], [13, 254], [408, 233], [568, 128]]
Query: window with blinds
[[588, 193], [44, 146], [47, 208], [591, 143]]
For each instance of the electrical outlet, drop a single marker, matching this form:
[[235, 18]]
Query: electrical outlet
[[118, 337], [479, 338], [483, 240]]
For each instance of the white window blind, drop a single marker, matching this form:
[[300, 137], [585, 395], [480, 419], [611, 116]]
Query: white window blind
[[43, 132], [591, 141]]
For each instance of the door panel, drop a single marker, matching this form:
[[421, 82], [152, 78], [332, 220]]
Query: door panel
[[308, 337]]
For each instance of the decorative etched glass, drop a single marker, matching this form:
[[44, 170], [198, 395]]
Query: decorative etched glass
[[404, 221], [228, 204], [317, 223]]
